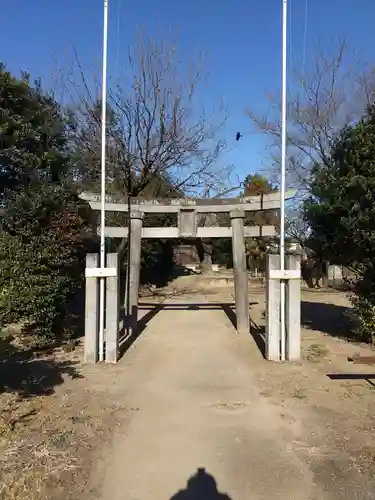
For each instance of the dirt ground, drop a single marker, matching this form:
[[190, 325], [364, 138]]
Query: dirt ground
[[189, 394]]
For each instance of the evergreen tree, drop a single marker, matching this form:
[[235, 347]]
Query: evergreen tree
[[44, 224], [341, 212], [33, 135]]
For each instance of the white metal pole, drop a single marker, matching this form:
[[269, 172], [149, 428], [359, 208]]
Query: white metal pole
[[282, 181], [103, 177]]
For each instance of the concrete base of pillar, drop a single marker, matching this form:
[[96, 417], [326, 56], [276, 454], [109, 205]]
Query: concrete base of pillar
[[272, 347], [91, 348], [292, 311], [112, 311]]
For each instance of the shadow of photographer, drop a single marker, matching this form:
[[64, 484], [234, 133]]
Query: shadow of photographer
[[201, 486]]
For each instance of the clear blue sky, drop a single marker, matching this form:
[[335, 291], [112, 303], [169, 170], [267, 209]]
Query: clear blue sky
[[242, 40]]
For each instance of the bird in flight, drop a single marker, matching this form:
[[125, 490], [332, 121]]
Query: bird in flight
[[238, 136]]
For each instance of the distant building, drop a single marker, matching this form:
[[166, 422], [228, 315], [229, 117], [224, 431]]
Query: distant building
[[185, 255]]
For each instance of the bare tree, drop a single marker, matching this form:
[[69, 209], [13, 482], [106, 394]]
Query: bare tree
[[333, 94], [296, 227], [321, 102], [154, 129]]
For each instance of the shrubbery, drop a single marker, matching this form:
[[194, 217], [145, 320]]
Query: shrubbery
[[363, 300], [44, 230], [43, 241]]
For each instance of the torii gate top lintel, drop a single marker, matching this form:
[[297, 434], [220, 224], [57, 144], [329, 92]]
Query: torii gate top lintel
[[188, 210], [269, 201]]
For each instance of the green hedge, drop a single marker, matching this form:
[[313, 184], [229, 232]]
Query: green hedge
[[44, 237]]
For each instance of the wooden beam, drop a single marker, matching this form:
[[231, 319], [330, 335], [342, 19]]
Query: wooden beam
[[202, 232], [201, 205]]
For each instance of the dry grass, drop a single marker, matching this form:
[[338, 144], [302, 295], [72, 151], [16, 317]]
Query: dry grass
[[315, 352], [47, 440], [36, 446], [28, 465]]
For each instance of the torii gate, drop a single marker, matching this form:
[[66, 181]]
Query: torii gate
[[187, 211]]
